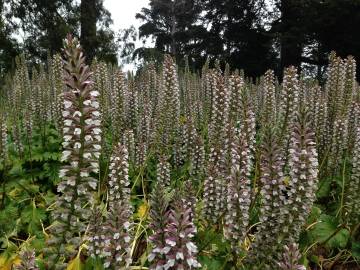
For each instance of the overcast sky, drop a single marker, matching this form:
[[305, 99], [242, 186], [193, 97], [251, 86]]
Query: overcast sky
[[123, 12]]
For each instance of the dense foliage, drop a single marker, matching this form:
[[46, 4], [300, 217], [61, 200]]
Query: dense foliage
[[169, 169]]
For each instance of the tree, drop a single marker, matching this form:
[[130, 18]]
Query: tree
[[44, 25], [174, 24], [237, 34]]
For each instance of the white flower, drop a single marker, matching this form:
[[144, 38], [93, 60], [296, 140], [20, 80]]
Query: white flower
[[67, 122], [77, 131], [67, 104], [88, 138], [170, 242], [96, 113], [77, 145], [95, 104], [97, 131], [77, 113], [179, 255], [151, 257], [74, 164], [117, 235], [97, 146], [94, 93], [92, 184], [84, 174], [65, 155], [62, 172], [88, 121], [96, 122], [87, 102], [126, 224], [127, 239], [67, 138], [87, 155], [65, 113]]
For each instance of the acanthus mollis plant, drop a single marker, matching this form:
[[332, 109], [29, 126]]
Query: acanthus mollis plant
[[198, 157], [168, 105], [266, 246], [129, 142], [95, 233], [353, 123], [117, 110], [353, 186], [236, 85], [57, 84], [247, 123], [334, 88], [163, 171], [3, 137], [116, 230], [27, 258], [81, 144], [338, 145], [321, 122], [238, 191], [290, 258], [349, 85], [268, 112], [288, 106], [180, 251], [158, 220], [303, 170], [214, 185]]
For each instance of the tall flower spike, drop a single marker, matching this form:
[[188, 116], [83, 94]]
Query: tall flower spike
[[303, 167], [81, 143], [3, 137], [198, 157], [95, 232], [238, 192], [117, 250], [214, 185], [169, 103], [338, 145], [180, 251], [288, 105], [163, 172], [266, 248], [158, 218], [353, 190], [27, 258], [290, 258]]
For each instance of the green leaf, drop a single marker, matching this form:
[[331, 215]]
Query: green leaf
[[324, 189], [32, 217], [327, 231], [211, 263], [355, 249]]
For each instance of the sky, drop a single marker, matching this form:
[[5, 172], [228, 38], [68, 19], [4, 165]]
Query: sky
[[123, 12]]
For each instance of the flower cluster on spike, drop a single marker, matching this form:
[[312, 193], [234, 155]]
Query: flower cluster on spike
[[290, 258], [303, 167], [27, 261], [238, 192], [163, 172], [116, 229], [81, 144], [180, 251], [353, 189]]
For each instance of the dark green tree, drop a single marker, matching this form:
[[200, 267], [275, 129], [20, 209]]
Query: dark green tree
[[175, 26]]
